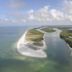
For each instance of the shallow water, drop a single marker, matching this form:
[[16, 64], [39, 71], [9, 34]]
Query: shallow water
[[58, 53]]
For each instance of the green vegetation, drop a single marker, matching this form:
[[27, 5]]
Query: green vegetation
[[38, 44], [34, 35], [67, 36], [48, 29]]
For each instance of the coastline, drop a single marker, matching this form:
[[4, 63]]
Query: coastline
[[22, 39], [24, 49], [70, 49]]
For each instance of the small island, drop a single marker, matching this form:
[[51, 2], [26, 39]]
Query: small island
[[48, 29], [32, 43]]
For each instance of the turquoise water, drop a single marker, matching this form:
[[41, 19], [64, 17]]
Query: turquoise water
[[58, 60]]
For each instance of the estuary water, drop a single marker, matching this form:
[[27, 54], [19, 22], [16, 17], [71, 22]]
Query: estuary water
[[58, 53]]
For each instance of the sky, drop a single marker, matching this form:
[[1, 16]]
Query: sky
[[35, 12]]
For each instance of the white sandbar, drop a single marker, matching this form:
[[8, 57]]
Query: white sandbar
[[24, 49]]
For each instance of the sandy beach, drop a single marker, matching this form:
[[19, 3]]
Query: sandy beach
[[24, 49]]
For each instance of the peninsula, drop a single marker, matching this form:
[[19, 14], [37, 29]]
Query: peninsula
[[67, 36], [32, 43]]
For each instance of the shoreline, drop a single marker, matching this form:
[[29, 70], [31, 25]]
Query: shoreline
[[70, 49], [23, 48], [22, 39]]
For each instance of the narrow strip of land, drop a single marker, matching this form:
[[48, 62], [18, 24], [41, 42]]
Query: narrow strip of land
[[32, 44]]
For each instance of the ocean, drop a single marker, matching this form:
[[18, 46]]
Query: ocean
[[58, 59]]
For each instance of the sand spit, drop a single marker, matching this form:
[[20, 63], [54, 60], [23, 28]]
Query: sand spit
[[26, 50]]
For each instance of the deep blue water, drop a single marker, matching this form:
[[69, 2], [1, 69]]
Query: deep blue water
[[58, 59]]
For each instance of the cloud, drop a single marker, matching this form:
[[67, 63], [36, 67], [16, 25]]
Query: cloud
[[68, 6], [41, 14], [44, 15], [68, 9], [23, 20], [31, 14], [47, 14], [31, 11], [70, 17], [56, 14], [31, 17]]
